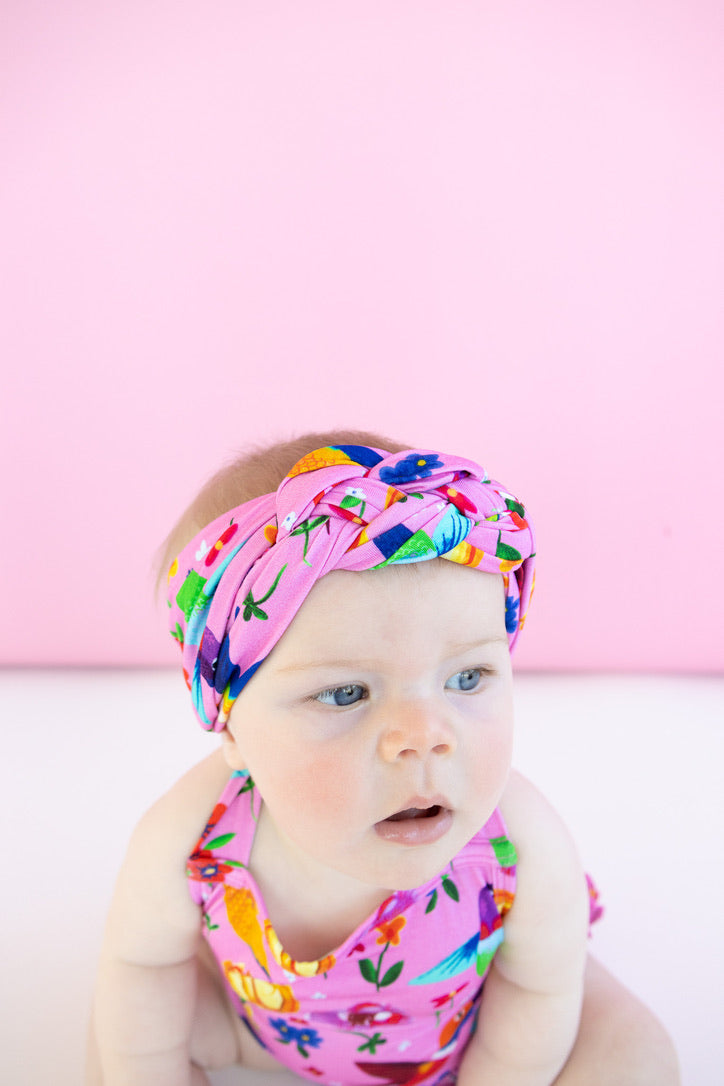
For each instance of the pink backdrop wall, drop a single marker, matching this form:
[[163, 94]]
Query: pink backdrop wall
[[490, 227]]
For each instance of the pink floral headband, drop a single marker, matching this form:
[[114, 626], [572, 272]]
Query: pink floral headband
[[236, 587]]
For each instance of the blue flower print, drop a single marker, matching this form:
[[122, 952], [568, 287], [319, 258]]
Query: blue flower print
[[414, 466], [511, 614], [303, 1038]]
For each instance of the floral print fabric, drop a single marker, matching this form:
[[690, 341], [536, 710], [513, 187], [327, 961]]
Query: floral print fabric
[[237, 586], [397, 1001]]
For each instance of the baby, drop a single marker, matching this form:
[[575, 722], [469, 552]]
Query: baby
[[381, 898]]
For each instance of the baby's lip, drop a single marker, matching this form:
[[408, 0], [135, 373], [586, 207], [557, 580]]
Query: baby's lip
[[422, 821], [420, 807]]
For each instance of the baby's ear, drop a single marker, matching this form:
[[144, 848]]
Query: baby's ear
[[231, 750]]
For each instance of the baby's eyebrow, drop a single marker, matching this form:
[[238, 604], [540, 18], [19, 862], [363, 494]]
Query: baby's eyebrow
[[454, 648], [322, 665]]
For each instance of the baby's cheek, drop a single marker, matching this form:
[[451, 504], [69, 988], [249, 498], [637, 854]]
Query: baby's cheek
[[330, 777], [311, 775], [492, 753]]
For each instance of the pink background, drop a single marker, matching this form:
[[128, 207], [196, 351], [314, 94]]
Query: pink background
[[490, 228]]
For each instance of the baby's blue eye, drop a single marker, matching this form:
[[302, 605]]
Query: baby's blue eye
[[464, 680], [342, 695]]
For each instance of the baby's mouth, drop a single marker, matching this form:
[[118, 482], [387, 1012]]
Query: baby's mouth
[[421, 823], [415, 812]]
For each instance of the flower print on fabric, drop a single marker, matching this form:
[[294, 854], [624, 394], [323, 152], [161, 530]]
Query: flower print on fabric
[[202, 864], [302, 1038], [411, 467], [511, 614], [390, 931], [204, 867], [388, 935], [347, 507]]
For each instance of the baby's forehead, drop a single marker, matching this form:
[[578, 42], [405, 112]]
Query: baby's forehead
[[434, 577], [410, 607]]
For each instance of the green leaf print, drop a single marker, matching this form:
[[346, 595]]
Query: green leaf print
[[305, 528], [368, 971], [372, 1043], [371, 972], [252, 607], [450, 888], [391, 975], [219, 841], [432, 902], [515, 507], [507, 553]]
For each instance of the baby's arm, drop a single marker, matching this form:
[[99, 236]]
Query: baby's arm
[[146, 989], [533, 993]]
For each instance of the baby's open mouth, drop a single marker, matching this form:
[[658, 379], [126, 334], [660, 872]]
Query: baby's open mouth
[[422, 823], [415, 812]]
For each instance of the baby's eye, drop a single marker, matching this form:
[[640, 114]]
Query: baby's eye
[[342, 695], [465, 680]]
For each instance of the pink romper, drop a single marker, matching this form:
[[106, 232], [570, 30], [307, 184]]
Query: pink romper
[[397, 1001]]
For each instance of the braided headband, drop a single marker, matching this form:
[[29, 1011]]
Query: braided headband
[[236, 587]]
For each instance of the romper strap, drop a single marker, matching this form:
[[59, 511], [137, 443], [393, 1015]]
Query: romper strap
[[227, 838]]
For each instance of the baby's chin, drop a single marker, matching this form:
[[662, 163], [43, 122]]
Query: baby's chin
[[410, 866]]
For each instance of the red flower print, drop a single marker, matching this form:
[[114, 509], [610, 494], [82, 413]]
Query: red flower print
[[202, 866]]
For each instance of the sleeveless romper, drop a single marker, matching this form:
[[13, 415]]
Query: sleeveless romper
[[397, 1001]]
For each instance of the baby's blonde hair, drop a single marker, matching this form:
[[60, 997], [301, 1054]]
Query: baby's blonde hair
[[258, 470]]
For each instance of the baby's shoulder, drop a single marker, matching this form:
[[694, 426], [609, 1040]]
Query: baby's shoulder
[[155, 913], [166, 834], [528, 815], [178, 817], [551, 894], [543, 843]]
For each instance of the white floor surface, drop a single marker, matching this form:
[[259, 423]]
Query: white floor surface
[[633, 763]]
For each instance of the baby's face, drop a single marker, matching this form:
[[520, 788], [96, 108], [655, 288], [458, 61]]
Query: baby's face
[[379, 730]]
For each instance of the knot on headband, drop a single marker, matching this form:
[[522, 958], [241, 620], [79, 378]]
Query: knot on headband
[[236, 587]]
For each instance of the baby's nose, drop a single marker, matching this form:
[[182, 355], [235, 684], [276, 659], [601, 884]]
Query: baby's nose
[[415, 728]]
